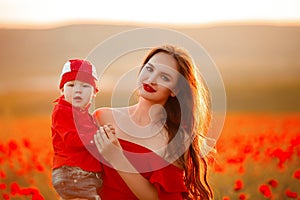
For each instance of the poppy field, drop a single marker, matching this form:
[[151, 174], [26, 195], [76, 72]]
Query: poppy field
[[258, 157]]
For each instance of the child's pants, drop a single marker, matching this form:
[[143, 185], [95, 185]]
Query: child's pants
[[73, 182]]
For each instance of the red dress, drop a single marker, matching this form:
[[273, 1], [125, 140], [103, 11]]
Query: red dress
[[166, 177]]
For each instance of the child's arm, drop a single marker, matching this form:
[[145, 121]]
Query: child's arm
[[73, 134]]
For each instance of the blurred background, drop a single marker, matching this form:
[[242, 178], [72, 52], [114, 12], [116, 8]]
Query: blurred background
[[254, 44]]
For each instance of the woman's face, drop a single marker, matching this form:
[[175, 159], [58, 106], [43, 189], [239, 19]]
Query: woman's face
[[158, 78]]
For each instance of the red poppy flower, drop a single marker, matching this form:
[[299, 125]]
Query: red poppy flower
[[39, 167], [31, 191], [37, 196], [248, 149], [2, 175], [26, 143], [5, 196], [12, 145], [238, 185], [265, 190], [291, 194], [14, 188], [273, 183], [2, 148], [282, 155], [2, 186], [295, 141], [242, 196], [297, 174], [226, 198], [218, 168], [236, 160]]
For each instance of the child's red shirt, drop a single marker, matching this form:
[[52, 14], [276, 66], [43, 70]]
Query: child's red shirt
[[73, 137]]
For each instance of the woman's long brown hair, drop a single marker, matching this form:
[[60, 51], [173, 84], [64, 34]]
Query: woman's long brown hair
[[188, 118]]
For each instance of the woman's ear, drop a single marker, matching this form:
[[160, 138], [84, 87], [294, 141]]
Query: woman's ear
[[174, 92]]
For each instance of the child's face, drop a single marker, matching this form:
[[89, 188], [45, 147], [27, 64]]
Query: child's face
[[78, 93]]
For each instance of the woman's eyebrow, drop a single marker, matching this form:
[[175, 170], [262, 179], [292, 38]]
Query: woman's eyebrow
[[150, 64], [162, 72], [166, 74]]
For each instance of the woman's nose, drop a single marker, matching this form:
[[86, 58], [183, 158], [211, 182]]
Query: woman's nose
[[153, 78]]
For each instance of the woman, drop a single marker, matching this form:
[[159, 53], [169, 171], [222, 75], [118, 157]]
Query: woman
[[155, 150]]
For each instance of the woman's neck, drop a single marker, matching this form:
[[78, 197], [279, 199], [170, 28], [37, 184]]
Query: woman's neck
[[145, 112]]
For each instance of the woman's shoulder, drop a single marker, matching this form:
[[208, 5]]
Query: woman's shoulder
[[107, 114], [102, 110], [109, 110]]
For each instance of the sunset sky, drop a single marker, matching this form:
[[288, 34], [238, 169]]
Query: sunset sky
[[32, 13]]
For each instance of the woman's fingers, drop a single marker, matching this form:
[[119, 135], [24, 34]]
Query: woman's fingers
[[108, 145], [101, 139], [105, 137], [110, 126], [110, 132], [98, 141]]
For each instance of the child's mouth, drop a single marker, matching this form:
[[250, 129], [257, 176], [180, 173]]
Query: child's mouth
[[77, 98]]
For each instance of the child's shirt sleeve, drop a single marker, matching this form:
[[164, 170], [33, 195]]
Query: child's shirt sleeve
[[76, 129]]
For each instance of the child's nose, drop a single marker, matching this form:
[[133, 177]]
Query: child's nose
[[77, 88]]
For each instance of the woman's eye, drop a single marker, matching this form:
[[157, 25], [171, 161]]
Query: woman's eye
[[165, 78], [149, 69]]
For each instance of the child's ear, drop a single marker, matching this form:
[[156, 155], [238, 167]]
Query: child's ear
[[94, 95], [62, 91]]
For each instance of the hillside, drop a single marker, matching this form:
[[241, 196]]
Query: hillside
[[260, 65]]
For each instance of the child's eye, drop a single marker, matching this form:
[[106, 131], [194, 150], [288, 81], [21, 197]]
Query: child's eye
[[70, 84], [86, 85]]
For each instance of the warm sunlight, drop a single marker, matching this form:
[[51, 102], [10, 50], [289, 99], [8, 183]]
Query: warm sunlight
[[247, 52], [14, 13]]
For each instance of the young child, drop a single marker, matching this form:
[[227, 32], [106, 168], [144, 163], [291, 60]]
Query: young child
[[76, 172]]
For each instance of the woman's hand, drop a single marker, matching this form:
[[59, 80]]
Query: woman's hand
[[108, 145], [110, 148]]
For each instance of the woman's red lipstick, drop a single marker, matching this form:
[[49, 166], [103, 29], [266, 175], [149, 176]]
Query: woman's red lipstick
[[148, 88]]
